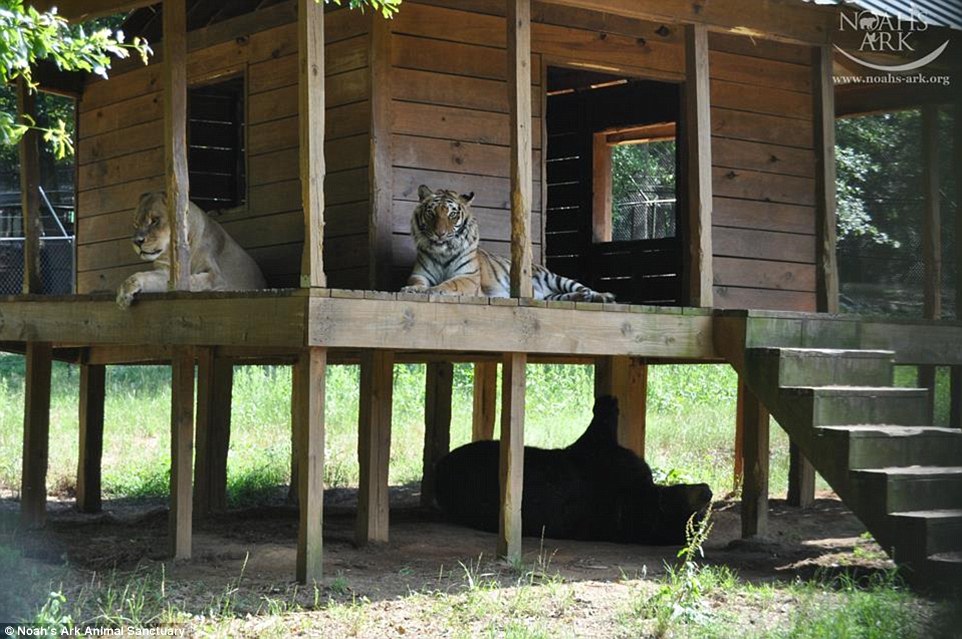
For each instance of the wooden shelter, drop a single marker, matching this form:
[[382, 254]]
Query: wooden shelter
[[309, 130]]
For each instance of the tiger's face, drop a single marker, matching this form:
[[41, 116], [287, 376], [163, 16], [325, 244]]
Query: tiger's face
[[151, 235], [442, 217]]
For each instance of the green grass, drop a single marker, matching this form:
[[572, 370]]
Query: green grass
[[690, 425]]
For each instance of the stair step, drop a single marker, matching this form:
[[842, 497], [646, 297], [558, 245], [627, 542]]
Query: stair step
[[860, 446], [845, 405], [830, 366], [936, 531], [944, 568], [908, 488]]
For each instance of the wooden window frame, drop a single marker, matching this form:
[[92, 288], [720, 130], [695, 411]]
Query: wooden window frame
[[601, 178]]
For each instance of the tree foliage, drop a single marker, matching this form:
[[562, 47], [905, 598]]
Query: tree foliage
[[387, 8], [28, 36]]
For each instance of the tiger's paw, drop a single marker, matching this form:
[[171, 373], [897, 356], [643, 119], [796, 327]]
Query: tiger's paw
[[423, 290]]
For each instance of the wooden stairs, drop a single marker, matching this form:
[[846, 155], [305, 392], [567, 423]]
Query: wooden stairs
[[901, 476]]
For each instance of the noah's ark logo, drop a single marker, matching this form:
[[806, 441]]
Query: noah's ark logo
[[887, 34]]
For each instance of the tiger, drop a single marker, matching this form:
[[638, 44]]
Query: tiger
[[449, 261]]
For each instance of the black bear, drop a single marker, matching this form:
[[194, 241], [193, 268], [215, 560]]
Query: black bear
[[592, 490]]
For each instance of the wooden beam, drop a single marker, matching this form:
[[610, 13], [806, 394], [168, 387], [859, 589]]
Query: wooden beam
[[181, 452], [29, 150], [175, 139], [83, 10], [755, 426], [36, 435], [548, 329], [626, 378], [51, 79], [698, 157], [519, 106], [310, 53], [601, 188], [91, 429], [485, 401], [776, 19], [374, 445], [511, 468], [823, 94], [310, 377], [215, 380], [801, 479], [438, 389], [380, 167]]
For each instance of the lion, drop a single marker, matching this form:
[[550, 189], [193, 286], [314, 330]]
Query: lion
[[217, 262]]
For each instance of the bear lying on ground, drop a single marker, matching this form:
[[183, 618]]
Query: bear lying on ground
[[592, 490]]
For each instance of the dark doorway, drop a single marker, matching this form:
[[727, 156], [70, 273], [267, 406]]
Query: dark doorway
[[612, 173]]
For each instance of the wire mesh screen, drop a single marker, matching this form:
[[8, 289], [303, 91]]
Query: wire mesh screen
[[56, 243], [643, 191], [880, 215]]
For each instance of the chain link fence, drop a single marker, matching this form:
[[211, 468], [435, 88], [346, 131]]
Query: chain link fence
[[57, 255], [644, 191], [881, 269]]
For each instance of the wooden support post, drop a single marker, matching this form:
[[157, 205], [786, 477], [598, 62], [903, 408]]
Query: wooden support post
[[823, 94], [310, 377], [755, 426], [29, 150], [801, 479], [181, 451], [91, 445], [310, 53], [215, 378], [175, 138], [374, 445], [36, 435], [380, 169], [626, 378], [738, 476], [512, 455], [519, 106], [438, 388], [955, 397], [931, 239], [485, 400], [955, 403], [601, 179], [295, 406], [698, 156]]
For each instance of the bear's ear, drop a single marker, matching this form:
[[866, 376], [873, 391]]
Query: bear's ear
[[467, 197], [424, 192]]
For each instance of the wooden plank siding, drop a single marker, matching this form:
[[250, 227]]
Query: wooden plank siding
[[120, 154], [450, 123], [763, 170]]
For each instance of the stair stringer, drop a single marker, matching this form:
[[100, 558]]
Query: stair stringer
[[796, 414]]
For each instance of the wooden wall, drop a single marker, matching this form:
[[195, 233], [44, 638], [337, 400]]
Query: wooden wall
[[120, 153], [763, 227], [450, 122]]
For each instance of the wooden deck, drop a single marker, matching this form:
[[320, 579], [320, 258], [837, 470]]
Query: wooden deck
[[280, 322], [311, 328]]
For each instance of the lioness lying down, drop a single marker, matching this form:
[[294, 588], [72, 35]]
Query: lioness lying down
[[217, 262]]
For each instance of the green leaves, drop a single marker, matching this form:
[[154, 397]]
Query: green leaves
[[28, 36], [387, 8]]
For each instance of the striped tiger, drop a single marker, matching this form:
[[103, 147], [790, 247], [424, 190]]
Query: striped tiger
[[449, 261]]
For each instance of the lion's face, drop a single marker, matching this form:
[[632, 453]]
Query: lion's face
[[151, 235]]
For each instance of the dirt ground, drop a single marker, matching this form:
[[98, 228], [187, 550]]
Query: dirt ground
[[423, 547]]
